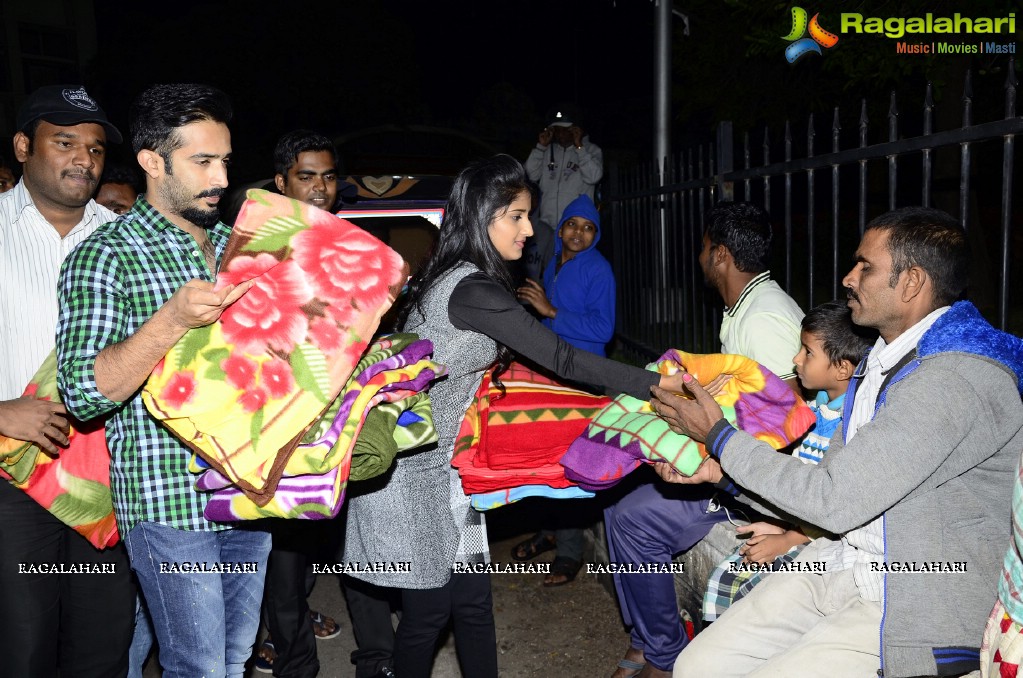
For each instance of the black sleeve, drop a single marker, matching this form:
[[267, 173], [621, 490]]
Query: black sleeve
[[480, 304]]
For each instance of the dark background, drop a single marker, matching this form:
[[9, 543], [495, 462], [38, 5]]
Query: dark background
[[491, 69], [472, 78]]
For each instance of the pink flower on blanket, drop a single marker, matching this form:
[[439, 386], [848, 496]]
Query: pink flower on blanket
[[277, 378], [179, 389], [269, 314], [239, 371], [253, 399], [345, 264], [325, 335]]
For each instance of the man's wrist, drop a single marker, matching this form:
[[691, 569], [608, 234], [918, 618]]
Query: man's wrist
[[718, 436], [726, 485]]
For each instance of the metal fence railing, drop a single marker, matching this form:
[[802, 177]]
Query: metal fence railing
[[820, 203]]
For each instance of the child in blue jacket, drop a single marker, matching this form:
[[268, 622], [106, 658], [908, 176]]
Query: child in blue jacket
[[577, 302]]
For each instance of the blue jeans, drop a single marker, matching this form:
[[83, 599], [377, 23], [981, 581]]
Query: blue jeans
[[141, 641], [205, 623]]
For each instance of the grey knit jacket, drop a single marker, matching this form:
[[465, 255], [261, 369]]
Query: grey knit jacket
[[937, 462]]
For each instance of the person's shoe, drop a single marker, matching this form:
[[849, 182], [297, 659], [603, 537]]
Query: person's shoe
[[563, 571], [324, 627], [385, 673], [534, 546], [265, 656]]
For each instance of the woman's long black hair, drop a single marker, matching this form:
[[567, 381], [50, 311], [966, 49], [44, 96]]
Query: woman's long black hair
[[481, 192]]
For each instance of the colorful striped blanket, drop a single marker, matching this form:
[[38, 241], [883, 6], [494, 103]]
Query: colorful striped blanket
[[628, 432], [75, 485], [243, 391], [517, 439], [386, 399]]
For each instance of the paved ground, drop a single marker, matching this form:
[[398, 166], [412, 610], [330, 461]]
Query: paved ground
[[573, 631]]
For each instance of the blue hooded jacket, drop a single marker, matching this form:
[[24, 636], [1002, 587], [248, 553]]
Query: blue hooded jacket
[[583, 290]]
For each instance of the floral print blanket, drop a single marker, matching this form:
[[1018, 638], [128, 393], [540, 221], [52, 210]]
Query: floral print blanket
[[243, 391], [75, 485], [382, 410]]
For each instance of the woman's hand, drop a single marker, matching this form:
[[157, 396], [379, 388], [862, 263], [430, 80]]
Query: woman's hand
[[533, 294]]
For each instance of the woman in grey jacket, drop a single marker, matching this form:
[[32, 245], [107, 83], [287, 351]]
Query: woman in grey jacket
[[462, 300]]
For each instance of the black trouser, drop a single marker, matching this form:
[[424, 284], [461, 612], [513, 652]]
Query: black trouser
[[467, 601], [369, 608], [81, 623], [285, 596]]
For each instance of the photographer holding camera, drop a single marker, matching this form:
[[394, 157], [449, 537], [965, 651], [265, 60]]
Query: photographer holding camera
[[570, 166]]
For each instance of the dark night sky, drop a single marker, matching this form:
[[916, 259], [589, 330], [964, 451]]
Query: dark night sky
[[491, 68]]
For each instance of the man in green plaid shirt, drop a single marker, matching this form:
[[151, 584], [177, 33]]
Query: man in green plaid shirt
[[127, 294]]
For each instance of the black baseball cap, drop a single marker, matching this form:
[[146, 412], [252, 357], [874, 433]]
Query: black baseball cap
[[563, 115], [64, 105]]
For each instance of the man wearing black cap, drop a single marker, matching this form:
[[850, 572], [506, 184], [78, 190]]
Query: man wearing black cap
[[565, 164], [51, 618]]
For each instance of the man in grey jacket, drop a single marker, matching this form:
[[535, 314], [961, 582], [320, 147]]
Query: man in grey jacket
[[917, 481]]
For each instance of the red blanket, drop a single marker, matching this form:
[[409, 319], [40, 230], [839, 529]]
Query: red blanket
[[518, 438]]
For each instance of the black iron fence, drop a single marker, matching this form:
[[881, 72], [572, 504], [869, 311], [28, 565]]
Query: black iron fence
[[820, 203]]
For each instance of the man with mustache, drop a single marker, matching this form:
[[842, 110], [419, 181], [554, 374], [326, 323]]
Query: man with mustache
[[306, 170], [127, 294], [654, 521], [916, 483], [61, 144]]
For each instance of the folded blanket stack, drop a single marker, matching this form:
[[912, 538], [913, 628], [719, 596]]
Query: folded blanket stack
[[75, 485], [382, 410], [629, 432], [509, 445], [243, 391], [383, 402]]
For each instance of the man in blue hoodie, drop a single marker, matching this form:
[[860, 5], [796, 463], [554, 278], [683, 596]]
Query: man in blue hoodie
[[577, 303]]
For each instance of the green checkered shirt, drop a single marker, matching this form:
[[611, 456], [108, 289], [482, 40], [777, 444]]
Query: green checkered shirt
[[109, 285]]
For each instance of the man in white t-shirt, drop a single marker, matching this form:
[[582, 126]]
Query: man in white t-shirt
[[657, 520]]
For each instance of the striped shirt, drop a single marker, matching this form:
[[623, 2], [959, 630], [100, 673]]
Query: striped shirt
[[109, 286], [828, 415], [31, 251]]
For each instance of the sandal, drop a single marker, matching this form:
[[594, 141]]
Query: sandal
[[534, 546], [265, 656], [324, 628], [562, 567], [630, 665]]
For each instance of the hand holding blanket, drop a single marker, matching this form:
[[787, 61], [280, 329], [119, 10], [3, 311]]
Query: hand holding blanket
[[243, 391], [628, 432], [75, 485]]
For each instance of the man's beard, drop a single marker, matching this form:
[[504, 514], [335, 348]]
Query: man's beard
[[187, 208], [200, 217]]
